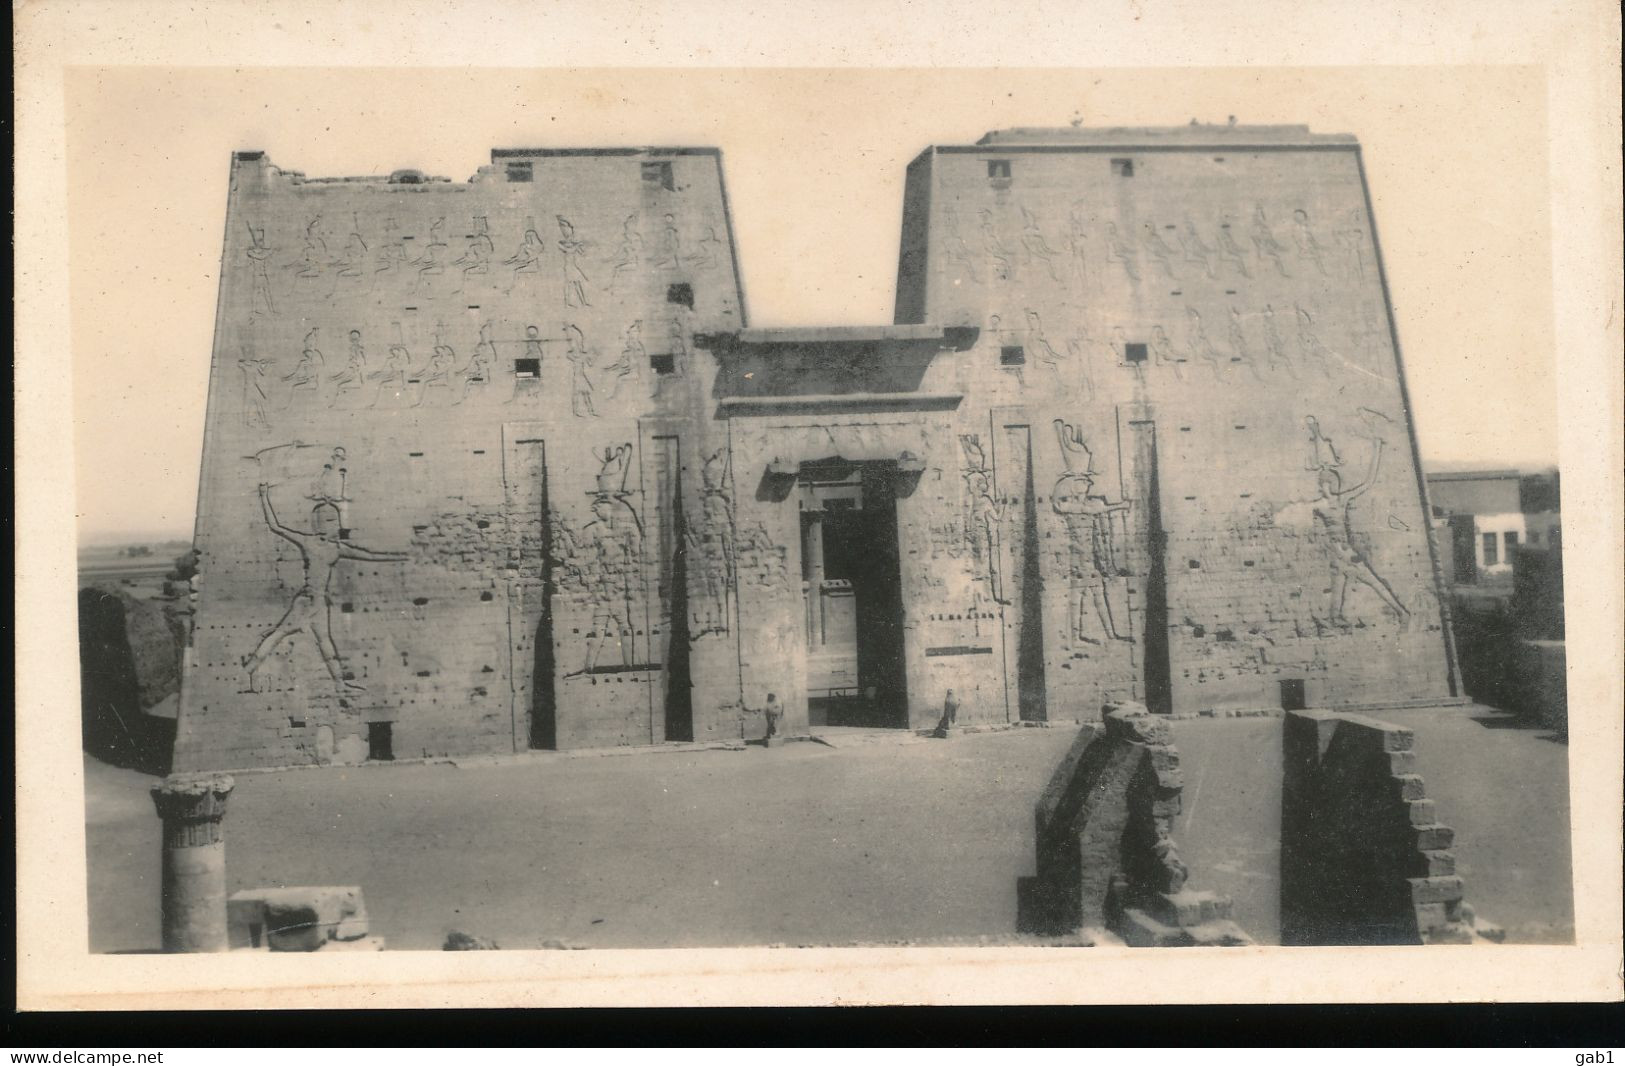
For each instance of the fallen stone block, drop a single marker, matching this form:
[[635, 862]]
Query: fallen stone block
[[304, 918]]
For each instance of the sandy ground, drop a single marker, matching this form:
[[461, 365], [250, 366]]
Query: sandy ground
[[877, 839]]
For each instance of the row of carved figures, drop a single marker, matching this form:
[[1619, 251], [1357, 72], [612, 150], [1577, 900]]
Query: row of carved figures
[[360, 266], [1255, 342], [402, 377], [1306, 248]]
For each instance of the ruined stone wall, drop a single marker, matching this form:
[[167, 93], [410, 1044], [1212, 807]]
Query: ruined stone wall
[[1186, 353], [429, 403], [1364, 859]]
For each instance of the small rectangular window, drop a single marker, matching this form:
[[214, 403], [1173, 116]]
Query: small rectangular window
[[659, 174], [527, 368], [1292, 694], [380, 741], [998, 169], [681, 293], [1134, 353], [1123, 168], [519, 172], [1012, 355], [1492, 556], [663, 363]]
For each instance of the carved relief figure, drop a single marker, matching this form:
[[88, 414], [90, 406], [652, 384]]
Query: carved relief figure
[[306, 376], [528, 259], [708, 251], [392, 253], [1034, 244], [1081, 349], [352, 263], [1310, 344], [1077, 239], [984, 517], [612, 547], [312, 258], [1091, 540], [633, 358], [529, 384], [1162, 351], [1201, 345], [1000, 264], [711, 542], [1333, 517], [1304, 237], [321, 549], [1265, 244], [255, 375], [1043, 351], [1197, 250], [1274, 346], [1230, 252], [628, 254], [575, 278], [1158, 251], [677, 341], [332, 486], [259, 257], [442, 361], [396, 368], [476, 257], [481, 363], [354, 372], [432, 263], [958, 251], [1119, 252], [671, 245], [1351, 238], [1240, 350], [581, 385]]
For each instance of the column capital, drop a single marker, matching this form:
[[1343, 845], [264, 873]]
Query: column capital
[[191, 807]]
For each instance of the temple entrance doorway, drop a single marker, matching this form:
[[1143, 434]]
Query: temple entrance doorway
[[853, 595]]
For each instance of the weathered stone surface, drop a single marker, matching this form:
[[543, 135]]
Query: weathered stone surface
[[1105, 850], [501, 464], [1363, 858], [303, 918]]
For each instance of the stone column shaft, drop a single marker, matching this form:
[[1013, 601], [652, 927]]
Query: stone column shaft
[[193, 890]]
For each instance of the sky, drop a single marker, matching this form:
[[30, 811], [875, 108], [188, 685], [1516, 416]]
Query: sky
[[813, 158]]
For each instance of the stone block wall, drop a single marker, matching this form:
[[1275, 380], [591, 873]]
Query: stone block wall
[[1364, 858]]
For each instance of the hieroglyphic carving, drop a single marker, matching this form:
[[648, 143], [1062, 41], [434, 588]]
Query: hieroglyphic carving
[[671, 245], [312, 262], [392, 253], [1313, 348], [1351, 238], [354, 374], [1001, 265], [1158, 251], [321, 549], [1043, 350], [1118, 251], [631, 362], [1241, 351], [1230, 252], [352, 261], [581, 383], [707, 251], [1201, 345], [1303, 235], [1081, 349], [256, 376], [481, 364], [1264, 243], [711, 544], [477, 254], [1077, 240], [432, 263], [1092, 552], [259, 257], [306, 375], [1197, 250], [763, 561], [575, 278], [1034, 246], [437, 374], [1330, 515], [527, 259], [1274, 346], [628, 254], [1162, 351], [984, 517], [958, 251], [603, 561], [396, 368]]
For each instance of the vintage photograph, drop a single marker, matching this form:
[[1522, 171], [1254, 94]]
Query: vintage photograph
[[562, 509]]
